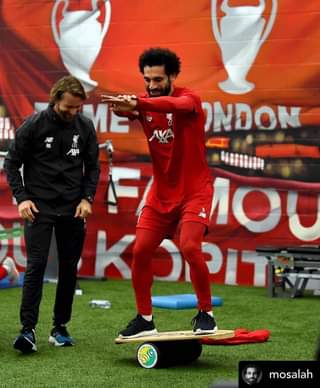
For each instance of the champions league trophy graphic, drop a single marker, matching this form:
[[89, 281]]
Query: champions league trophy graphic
[[242, 32], [79, 37]]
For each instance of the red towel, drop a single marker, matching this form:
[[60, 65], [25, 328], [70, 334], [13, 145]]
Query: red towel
[[241, 336]]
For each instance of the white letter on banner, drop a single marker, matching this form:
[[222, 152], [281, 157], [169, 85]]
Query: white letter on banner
[[260, 226], [105, 257], [308, 233], [221, 192], [144, 197], [39, 106], [291, 118], [3, 245], [215, 264], [231, 267], [176, 258], [119, 124], [243, 110], [99, 118], [259, 262], [207, 107], [272, 117], [220, 118], [123, 191]]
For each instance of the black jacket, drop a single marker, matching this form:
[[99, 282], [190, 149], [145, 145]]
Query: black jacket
[[60, 159]]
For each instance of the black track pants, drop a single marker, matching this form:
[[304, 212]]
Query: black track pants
[[70, 234]]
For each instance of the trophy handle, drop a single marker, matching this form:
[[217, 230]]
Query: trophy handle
[[270, 23], [53, 18], [214, 21], [107, 16]]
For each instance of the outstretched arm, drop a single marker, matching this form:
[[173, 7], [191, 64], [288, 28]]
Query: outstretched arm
[[168, 104], [130, 103], [122, 105]]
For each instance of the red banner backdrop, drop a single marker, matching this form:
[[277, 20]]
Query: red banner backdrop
[[255, 64]]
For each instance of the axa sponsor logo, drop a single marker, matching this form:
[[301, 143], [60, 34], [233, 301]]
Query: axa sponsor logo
[[162, 135]]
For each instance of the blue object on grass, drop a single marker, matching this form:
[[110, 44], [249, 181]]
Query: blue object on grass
[[181, 301], [5, 283]]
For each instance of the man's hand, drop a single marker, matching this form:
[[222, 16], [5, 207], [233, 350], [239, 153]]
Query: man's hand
[[121, 103], [27, 209], [84, 209]]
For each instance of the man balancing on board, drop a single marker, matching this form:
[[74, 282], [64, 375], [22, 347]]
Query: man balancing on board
[[181, 192]]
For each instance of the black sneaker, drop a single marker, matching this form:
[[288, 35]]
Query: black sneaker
[[59, 336], [26, 341], [204, 323], [138, 327]]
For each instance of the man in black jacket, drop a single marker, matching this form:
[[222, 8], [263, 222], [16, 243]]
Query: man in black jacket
[[59, 154]]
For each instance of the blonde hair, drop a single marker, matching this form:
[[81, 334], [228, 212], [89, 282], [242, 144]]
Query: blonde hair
[[68, 84]]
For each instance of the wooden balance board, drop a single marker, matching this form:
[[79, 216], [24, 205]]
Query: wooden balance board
[[176, 336], [169, 348]]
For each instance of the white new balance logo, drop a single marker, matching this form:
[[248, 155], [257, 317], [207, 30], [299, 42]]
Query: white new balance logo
[[203, 213], [48, 141], [163, 135]]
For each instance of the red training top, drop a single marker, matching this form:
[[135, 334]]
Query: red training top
[[174, 126]]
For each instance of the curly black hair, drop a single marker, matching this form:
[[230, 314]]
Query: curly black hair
[[157, 56]]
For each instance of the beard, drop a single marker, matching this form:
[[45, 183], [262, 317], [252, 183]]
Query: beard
[[65, 115], [160, 91]]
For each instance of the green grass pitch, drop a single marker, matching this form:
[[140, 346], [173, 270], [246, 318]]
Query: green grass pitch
[[96, 361]]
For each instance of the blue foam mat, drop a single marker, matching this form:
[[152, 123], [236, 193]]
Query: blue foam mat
[[4, 283], [181, 301]]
